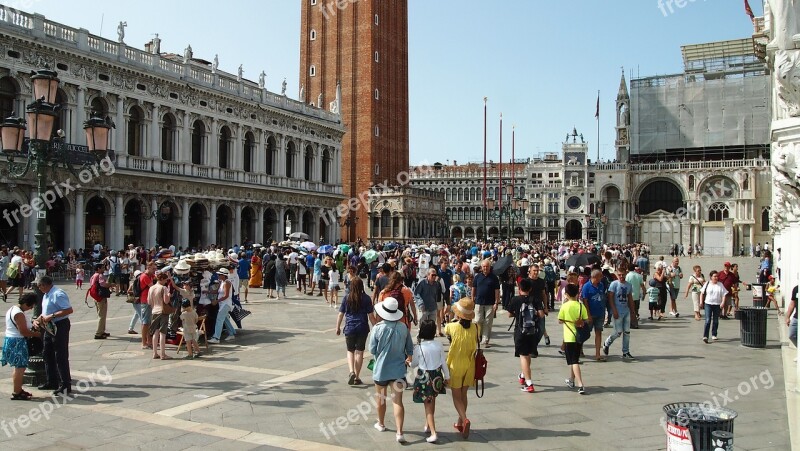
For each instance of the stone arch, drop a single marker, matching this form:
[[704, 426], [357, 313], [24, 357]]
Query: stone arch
[[224, 147], [167, 222], [198, 220], [99, 213], [573, 230], [457, 233], [291, 151], [308, 162], [247, 231], [225, 223], [169, 137], [199, 140], [270, 148], [248, 151], [270, 225], [308, 223], [98, 105], [660, 193], [135, 131], [717, 188]]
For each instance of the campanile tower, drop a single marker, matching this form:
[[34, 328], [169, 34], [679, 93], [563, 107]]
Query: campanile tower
[[361, 46]]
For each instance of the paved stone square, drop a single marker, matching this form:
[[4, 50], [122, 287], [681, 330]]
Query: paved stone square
[[284, 379]]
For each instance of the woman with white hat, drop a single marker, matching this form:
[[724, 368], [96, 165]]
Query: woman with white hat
[[390, 343], [464, 336], [225, 302]]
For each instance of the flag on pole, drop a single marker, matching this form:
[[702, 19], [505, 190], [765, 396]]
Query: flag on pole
[[597, 112], [749, 10]]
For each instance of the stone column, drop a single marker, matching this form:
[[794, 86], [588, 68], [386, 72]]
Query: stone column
[[155, 132], [185, 141], [184, 240], [212, 149], [212, 225], [79, 242], [152, 225], [259, 224], [119, 223], [236, 150], [119, 132], [317, 173], [260, 158], [79, 137], [237, 224], [280, 225]]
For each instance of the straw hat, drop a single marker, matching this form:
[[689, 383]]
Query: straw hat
[[182, 268], [389, 309], [464, 308]]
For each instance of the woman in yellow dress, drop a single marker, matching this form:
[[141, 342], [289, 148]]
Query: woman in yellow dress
[[255, 271], [463, 336]]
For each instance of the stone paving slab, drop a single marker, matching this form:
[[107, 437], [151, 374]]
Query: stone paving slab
[[291, 368]]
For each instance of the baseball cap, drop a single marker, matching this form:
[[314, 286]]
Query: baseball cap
[[727, 264]]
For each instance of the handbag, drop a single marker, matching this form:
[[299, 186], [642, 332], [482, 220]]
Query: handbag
[[428, 383], [102, 292], [238, 313], [480, 367], [35, 343]]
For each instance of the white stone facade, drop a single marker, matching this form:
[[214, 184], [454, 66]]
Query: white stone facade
[[219, 158]]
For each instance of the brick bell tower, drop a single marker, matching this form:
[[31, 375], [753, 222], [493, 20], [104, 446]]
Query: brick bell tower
[[361, 48]]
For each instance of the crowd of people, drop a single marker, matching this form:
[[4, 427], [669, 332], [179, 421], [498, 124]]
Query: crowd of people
[[450, 290]]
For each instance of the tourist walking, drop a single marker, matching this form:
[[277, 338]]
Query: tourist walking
[[527, 309], [712, 298], [464, 336], [593, 296], [390, 343], [573, 314], [281, 276], [269, 276], [696, 282], [225, 302], [159, 301], [486, 290], [620, 299], [432, 374], [100, 292], [356, 312]]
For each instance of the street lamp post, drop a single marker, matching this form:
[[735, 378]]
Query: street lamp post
[[43, 151], [348, 222], [514, 209]]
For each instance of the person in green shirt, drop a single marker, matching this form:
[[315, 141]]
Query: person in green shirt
[[572, 315], [634, 277]]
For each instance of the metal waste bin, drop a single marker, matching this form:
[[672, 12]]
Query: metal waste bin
[[692, 423], [759, 295], [753, 326]]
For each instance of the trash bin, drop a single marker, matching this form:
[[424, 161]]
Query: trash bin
[[691, 425], [753, 326], [759, 295], [722, 440]]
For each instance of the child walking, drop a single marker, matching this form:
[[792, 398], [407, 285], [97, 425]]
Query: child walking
[[189, 321], [334, 285], [432, 373], [572, 315], [79, 277], [652, 296]]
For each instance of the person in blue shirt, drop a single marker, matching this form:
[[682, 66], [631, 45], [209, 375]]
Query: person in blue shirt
[[56, 309], [445, 276], [593, 296], [243, 271], [620, 297]]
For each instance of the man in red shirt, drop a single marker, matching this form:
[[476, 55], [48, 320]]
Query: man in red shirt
[[146, 280], [728, 279]]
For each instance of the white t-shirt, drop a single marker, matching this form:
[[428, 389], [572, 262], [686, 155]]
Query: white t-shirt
[[17, 260], [12, 331], [293, 258], [424, 262], [334, 277], [714, 293]]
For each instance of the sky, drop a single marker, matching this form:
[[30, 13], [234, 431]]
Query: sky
[[540, 63]]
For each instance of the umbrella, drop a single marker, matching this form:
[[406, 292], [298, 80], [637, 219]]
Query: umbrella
[[326, 249], [308, 245], [344, 248], [390, 247], [299, 236], [370, 255], [584, 260], [502, 265]]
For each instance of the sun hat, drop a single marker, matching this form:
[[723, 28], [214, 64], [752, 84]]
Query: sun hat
[[136, 273], [223, 272], [464, 308], [388, 309], [182, 268]]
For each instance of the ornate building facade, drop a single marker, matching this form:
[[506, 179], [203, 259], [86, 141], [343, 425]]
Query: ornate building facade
[[407, 215], [200, 156]]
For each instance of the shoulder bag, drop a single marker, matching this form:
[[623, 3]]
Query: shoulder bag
[[480, 366]]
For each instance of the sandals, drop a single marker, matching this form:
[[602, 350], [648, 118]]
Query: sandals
[[21, 396], [458, 427], [465, 432]]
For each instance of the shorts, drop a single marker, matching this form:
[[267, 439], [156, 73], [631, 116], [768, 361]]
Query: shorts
[[146, 313], [113, 278], [315, 278], [673, 293], [356, 342], [17, 282], [244, 283], [323, 284], [524, 345], [190, 336], [572, 352], [652, 305], [334, 286], [400, 383], [160, 323], [124, 279], [597, 323]]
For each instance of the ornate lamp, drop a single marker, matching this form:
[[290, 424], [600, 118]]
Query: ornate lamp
[[45, 85], [97, 133], [41, 118], [12, 134]]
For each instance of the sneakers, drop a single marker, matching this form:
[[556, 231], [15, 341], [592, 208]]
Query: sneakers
[[400, 438], [352, 379], [570, 383], [705, 339], [521, 379], [213, 340], [230, 338], [675, 314], [605, 349], [379, 427], [432, 439], [628, 356], [581, 391], [528, 388], [714, 337]]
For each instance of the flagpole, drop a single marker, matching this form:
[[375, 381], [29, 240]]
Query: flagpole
[[598, 127], [485, 99], [500, 181]]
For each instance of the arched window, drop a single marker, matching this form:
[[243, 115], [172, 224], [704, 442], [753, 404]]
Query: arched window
[[198, 142], [746, 182], [249, 143], [290, 151], [8, 94], [691, 182], [135, 132], [765, 219], [270, 156], [308, 163], [168, 136], [718, 211], [313, 35], [224, 147], [98, 107], [326, 166]]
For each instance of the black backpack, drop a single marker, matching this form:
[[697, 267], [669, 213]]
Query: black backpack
[[137, 286], [527, 320]]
